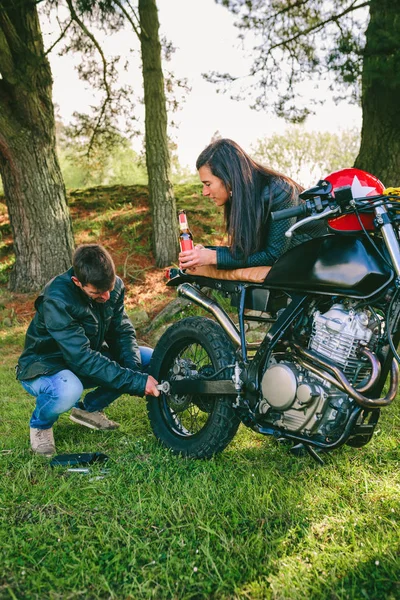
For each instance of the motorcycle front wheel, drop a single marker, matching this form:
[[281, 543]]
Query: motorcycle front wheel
[[196, 426]]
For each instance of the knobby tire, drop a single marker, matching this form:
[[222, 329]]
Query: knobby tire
[[193, 426]]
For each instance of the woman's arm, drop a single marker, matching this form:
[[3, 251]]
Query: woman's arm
[[275, 241]]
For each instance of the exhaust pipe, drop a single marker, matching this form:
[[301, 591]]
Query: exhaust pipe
[[317, 365], [188, 291]]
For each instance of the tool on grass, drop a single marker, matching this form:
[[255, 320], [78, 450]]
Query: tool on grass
[[72, 460]]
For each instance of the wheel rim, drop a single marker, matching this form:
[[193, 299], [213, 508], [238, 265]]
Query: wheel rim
[[187, 415]]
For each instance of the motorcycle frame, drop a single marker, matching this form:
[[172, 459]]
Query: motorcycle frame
[[189, 286]]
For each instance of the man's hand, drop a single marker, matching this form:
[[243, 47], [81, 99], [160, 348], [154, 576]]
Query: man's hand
[[151, 387]]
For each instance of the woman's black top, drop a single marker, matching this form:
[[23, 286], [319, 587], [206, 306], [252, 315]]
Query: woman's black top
[[275, 243]]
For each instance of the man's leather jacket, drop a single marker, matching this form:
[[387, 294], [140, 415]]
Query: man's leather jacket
[[72, 331]]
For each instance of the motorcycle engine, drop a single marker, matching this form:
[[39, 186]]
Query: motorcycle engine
[[301, 402]]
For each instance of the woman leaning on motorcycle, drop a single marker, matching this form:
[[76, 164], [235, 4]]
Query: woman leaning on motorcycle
[[249, 192]]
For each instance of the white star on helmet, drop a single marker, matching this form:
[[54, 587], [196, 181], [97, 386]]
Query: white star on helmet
[[360, 191]]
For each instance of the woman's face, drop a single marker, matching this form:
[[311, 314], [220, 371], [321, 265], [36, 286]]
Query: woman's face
[[213, 186]]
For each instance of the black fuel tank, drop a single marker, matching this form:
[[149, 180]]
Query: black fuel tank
[[339, 265]]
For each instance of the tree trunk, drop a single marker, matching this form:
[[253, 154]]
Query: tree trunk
[[33, 184], [380, 135], [162, 201]]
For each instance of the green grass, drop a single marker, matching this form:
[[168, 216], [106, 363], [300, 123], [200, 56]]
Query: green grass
[[252, 523]]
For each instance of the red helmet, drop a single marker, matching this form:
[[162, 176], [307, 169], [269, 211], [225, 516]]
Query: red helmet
[[362, 184]]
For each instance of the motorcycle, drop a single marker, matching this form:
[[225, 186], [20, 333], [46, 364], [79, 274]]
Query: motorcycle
[[331, 310]]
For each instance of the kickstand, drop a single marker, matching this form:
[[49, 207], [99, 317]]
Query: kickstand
[[314, 454], [298, 450]]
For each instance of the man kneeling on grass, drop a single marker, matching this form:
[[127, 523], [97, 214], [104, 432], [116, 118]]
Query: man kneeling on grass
[[81, 337]]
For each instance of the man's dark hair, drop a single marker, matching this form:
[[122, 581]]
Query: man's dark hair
[[93, 265]]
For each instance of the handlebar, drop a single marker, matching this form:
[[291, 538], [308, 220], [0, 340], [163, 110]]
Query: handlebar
[[294, 211], [321, 202], [311, 206]]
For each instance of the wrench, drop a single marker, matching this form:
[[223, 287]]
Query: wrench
[[164, 387]]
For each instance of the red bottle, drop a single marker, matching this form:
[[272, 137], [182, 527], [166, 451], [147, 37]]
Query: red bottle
[[185, 235]]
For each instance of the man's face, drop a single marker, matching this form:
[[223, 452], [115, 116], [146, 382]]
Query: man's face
[[92, 292], [95, 294]]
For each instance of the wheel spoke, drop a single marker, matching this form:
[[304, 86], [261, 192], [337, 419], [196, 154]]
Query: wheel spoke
[[186, 415]]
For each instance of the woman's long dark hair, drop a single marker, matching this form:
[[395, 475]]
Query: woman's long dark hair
[[246, 212]]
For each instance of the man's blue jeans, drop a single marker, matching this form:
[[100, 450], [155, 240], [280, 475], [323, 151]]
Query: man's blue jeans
[[58, 393]]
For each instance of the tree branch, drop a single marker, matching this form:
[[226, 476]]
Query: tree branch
[[319, 25], [103, 59], [60, 37], [287, 9], [127, 15]]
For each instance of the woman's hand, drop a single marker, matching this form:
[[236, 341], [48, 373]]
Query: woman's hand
[[198, 257]]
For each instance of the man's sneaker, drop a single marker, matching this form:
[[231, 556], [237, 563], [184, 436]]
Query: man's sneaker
[[42, 441], [93, 420]]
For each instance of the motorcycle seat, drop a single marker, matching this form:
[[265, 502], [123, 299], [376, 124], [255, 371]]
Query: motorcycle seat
[[248, 274]]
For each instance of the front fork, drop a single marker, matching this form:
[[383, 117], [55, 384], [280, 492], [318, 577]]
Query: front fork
[[390, 236]]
